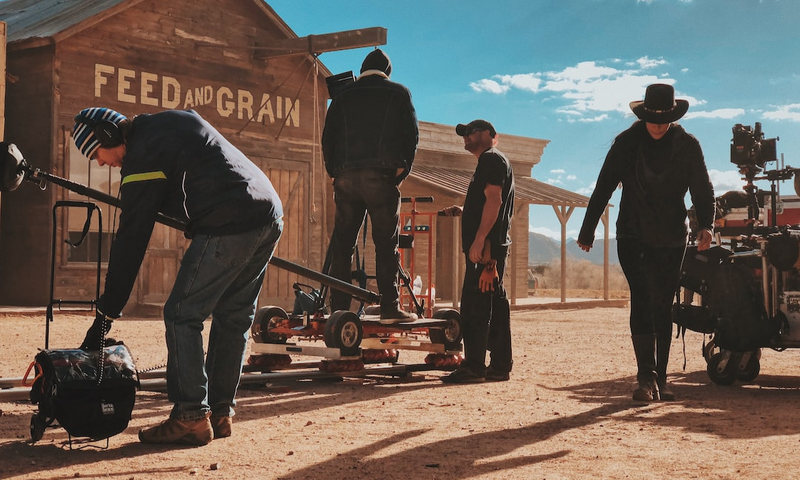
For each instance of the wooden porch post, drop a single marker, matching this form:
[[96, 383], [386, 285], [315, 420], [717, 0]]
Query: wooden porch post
[[563, 213]]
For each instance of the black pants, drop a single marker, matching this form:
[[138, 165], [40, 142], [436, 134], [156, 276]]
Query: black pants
[[357, 192], [652, 274], [486, 319]]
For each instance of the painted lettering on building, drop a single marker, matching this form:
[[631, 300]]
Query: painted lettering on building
[[169, 93]]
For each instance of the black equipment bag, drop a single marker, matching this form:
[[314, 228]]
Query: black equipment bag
[[698, 267], [697, 270], [696, 318], [67, 389], [734, 299]]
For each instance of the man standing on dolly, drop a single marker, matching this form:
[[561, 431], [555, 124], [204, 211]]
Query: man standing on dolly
[[177, 164], [485, 228], [369, 143], [657, 162]]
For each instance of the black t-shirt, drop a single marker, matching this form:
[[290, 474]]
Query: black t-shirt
[[495, 169]]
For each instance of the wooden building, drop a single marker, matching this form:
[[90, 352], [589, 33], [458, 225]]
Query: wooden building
[[241, 67], [136, 57]]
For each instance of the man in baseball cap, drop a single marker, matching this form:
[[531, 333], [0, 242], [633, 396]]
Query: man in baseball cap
[[485, 227]]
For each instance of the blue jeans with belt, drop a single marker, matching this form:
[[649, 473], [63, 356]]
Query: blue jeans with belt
[[220, 277]]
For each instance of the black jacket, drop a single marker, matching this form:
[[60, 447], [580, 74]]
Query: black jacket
[[655, 176], [177, 164], [371, 123]]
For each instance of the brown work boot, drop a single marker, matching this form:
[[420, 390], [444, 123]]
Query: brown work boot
[[189, 432], [221, 426], [396, 315]]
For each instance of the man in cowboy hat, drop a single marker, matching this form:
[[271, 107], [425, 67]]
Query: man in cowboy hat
[[657, 162]]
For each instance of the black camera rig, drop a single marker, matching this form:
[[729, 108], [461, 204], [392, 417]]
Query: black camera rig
[[750, 151]]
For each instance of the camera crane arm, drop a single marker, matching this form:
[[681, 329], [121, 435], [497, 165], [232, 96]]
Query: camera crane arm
[[14, 169]]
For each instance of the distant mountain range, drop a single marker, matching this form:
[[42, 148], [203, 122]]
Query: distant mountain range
[[543, 249]]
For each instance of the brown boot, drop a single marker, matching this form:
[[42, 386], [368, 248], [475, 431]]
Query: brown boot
[[221, 426], [184, 432], [396, 315]]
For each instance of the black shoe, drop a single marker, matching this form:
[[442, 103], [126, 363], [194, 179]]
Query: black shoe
[[495, 375], [463, 375], [390, 317]]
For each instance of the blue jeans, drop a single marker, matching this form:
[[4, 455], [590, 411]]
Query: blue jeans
[[219, 277]]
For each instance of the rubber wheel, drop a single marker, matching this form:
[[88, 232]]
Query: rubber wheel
[[451, 335], [708, 350], [265, 320], [37, 428], [750, 370], [343, 330], [728, 375]]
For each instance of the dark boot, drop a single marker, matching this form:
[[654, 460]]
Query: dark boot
[[662, 359], [645, 348]]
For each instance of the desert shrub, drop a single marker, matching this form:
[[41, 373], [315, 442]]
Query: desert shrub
[[581, 275]]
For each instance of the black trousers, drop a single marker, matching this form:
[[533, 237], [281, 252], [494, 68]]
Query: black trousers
[[653, 274], [486, 319], [356, 193]]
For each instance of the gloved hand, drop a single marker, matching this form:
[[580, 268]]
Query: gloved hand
[[96, 333], [489, 278]]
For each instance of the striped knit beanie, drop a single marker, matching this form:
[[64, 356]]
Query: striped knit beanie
[[83, 133]]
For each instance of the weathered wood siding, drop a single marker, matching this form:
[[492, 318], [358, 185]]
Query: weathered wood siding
[[175, 55], [27, 212]]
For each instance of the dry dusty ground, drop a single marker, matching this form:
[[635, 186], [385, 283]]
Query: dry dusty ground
[[565, 414]]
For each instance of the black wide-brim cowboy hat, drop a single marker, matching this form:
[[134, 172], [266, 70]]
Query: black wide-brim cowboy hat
[[659, 105]]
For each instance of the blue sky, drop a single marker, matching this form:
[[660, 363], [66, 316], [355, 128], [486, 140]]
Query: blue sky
[[565, 71]]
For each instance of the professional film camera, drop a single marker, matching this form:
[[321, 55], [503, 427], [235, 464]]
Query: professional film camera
[[749, 148], [745, 291], [750, 151]]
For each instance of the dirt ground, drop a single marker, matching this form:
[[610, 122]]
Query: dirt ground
[[566, 413]]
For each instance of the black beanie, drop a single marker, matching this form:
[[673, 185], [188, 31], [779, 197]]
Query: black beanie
[[377, 60]]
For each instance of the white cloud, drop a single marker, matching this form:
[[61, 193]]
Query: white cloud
[[490, 86], [528, 82], [725, 181], [555, 181], [592, 91], [785, 112], [572, 177], [724, 113], [646, 62], [558, 170], [598, 118]]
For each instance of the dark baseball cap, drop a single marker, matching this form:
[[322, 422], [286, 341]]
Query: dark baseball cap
[[473, 126]]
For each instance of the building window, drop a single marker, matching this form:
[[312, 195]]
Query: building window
[[103, 179]]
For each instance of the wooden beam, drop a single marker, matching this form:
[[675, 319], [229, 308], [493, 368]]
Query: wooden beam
[[327, 42]]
